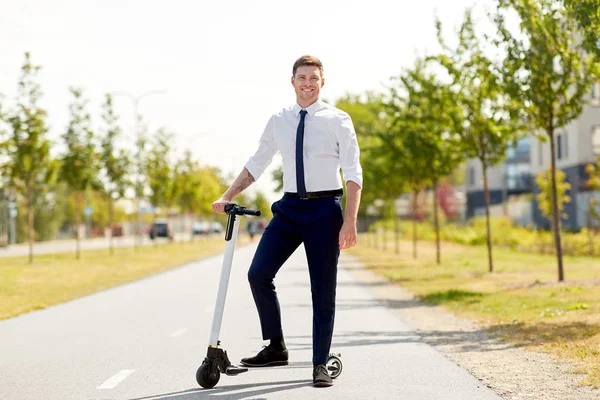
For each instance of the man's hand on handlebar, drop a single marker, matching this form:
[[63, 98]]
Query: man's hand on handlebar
[[219, 205]]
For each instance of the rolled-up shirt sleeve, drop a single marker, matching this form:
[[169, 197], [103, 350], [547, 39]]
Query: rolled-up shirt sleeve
[[349, 152], [257, 164]]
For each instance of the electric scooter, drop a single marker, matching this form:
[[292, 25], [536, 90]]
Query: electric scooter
[[216, 360]]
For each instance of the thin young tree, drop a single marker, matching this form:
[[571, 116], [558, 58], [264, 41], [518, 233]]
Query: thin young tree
[[80, 165], [435, 115], [490, 124], [548, 73], [159, 170], [30, 167], [115, 164], [380, 174]]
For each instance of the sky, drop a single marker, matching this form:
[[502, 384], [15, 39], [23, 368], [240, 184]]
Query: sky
[[224, 66]]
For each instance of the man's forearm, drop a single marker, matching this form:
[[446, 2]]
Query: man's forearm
[[352, 201], [243, 180]]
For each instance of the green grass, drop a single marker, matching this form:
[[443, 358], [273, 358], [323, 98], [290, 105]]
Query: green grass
[[57, 278], [521, 300]]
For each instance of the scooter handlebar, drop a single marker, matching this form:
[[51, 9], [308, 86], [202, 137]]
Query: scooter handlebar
[[248, 211], [235, 209]]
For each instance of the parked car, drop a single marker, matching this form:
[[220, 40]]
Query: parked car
[[200, 228], [216, 227], [160, 228]]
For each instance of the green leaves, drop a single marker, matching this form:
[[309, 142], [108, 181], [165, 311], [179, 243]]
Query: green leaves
[[490, 119], [25, 159], [80, 161], [379, 158], [546, 195], [587, 15], [593, 183], [116, 164], [427, 123], [550, 72], [158, 168]]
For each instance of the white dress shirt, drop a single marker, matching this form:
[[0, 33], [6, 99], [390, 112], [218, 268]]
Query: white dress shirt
[[329, 144]]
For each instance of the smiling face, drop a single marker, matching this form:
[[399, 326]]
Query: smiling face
[[307, 82]]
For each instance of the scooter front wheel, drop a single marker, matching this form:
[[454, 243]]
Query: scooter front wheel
[[208, 375], [334, 365]]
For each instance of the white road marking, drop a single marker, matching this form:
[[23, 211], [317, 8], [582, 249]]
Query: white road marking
[[178, 333], [112, 382]]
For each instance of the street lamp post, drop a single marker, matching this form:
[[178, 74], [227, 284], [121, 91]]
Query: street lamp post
[[136, 101]]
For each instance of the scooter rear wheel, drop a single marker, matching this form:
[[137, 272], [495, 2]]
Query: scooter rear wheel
[[206, 376], [334, 366]]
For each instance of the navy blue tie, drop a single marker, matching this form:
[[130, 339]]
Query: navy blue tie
[[300, 185]]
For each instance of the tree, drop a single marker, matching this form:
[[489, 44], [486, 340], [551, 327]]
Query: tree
[[186, 184], [4, 195], [195, 187], [211, 187], [380, 173], [404, 146], [115, 164], [490, 124], [548, 73], [434, 115], [546, 196], [277, 176], [261, 203], [30, 167], [159, 171], [587, 14], [80, 161]]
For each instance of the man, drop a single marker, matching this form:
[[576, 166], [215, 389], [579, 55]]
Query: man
[[315, 141]]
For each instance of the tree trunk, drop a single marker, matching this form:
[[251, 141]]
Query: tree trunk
[[397, 232], [555, 216], [384, 233], [154, 230], [30, 231], [590, 231], [78, 200], [374, 233], [110, 225], [438, 252], [415, 224], [191, 230], [486, 195]]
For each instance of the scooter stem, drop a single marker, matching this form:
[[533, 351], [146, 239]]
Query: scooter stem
[[224, 282]]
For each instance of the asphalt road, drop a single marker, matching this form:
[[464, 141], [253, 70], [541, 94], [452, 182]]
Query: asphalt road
[[145, 340]]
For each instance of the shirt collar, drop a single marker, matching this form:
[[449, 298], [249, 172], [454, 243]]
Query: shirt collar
[[312, 109]]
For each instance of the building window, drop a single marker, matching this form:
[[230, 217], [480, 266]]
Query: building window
[[471, 176], [566, 136], [559, 147], [596, 140]]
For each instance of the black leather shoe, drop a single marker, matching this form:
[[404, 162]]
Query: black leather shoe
[[267, 356], [321, 377]]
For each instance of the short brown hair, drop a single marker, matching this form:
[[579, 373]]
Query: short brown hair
[[308, 60]]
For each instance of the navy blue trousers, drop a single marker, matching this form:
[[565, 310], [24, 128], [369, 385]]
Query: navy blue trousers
[[316, 223]]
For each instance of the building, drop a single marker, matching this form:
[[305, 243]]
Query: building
[[510, 180], [512, 183], [577, 145]]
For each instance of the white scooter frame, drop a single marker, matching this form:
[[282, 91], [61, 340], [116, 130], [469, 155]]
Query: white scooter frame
[[216, 361]]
